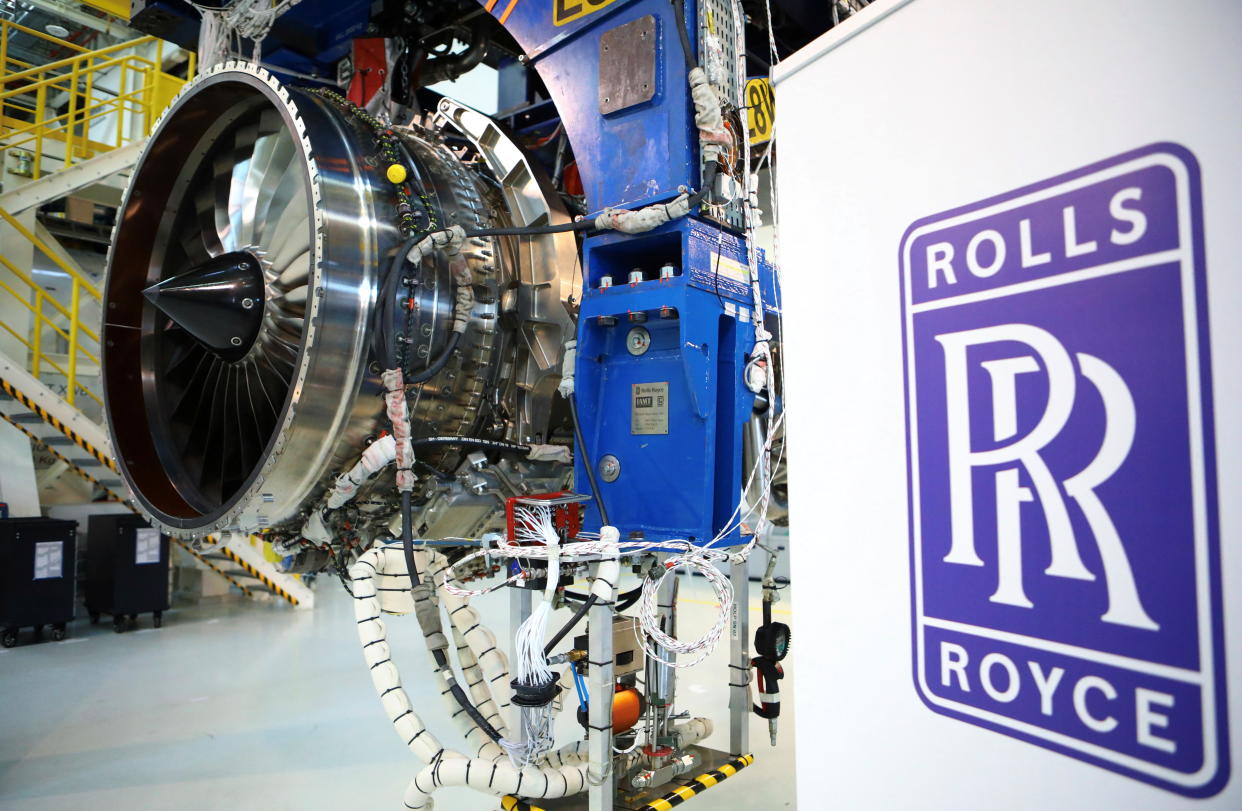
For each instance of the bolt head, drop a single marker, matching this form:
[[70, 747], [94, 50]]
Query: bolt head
[[609, 468]]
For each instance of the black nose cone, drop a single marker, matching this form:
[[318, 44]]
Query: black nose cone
[[219, 302]]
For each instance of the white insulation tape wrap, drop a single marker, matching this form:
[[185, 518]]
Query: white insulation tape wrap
[[398, 415]]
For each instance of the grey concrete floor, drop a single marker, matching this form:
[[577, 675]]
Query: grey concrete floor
[[243, 705]]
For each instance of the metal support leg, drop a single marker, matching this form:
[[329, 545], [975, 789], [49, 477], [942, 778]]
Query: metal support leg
[[662, 679], [739, 662], [600, 775], [520, 602]]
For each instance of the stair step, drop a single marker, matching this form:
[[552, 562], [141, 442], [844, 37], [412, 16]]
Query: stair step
[[26, 417]]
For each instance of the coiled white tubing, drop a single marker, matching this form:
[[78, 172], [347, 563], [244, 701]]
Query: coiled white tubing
[[649, 617]]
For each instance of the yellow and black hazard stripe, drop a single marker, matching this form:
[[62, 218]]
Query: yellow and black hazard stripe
[[115, 496], [699, 784], [511, 803], [73, 465], [256, 574], [20, 396], [213, 567]]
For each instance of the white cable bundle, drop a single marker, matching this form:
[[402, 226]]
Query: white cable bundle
[[533, 524]]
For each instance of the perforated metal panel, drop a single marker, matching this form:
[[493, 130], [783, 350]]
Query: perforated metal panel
[[720, 54]]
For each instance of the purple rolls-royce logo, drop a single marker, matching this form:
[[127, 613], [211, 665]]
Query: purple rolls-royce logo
[[1063, 534]]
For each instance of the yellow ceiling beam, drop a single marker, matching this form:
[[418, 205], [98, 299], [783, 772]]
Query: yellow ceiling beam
[[117, 8]]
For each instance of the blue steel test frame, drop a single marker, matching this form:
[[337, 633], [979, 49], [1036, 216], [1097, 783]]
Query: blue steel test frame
[[677, 475]]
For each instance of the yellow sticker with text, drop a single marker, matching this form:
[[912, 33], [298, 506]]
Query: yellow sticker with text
[[760, 109], [566, 11]]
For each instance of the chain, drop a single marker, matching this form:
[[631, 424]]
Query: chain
[[388, 150]]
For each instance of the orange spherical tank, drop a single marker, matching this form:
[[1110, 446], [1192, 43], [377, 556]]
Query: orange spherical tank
[[627, 708]]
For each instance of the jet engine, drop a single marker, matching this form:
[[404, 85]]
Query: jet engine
[[259, 285]]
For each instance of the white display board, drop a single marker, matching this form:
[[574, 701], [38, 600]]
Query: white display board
[[1011, 241]]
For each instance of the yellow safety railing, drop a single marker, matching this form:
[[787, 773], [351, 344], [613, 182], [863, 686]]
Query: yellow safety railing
[[64, 320], [87, 103]]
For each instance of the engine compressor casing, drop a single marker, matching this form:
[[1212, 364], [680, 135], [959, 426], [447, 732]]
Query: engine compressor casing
[[243, 169]]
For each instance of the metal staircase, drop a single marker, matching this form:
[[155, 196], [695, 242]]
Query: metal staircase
[[77, 125]]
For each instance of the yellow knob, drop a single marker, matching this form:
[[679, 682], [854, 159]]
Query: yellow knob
[[396, 173]]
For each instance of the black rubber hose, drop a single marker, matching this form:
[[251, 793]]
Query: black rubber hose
[[709, 178], [624, 600], [569, 626], [407, 538], [580, 225], [471, 443], [436, 365], [382, 340], [440, 656], [679, 13], [586, 461], [383, 344], [448, 68]]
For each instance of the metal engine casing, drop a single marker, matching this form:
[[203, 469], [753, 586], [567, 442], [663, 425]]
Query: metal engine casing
[[500, 384]]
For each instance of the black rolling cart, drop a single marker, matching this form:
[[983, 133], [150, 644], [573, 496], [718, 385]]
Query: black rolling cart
[[37, 563], [126, 570]]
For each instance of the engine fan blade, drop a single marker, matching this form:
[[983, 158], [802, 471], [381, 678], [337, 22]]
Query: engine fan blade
[[258, 177], [241, 193], [290, 238], [297, 272]]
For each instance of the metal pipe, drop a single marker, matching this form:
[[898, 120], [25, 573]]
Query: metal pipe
[[600, 774], [739, 661]]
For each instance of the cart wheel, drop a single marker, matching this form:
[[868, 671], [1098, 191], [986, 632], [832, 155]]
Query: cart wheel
[[94, 618], [9, 638], [158, 619], [132, 623], [118, 623], [58, 633]]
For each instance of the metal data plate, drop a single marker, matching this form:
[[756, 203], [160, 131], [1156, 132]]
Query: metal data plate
[[627, 65], [649, 408]]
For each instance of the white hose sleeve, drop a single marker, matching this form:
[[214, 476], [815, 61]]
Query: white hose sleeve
[[378, 454], [692, 731], [568, 363], [483, 645], [575, 752], [449, 239], [464, 306], [433, 565], [494, 778], [550, 453], [480, 695], [604, 586], [426, 609], [644, 219], [314, 529], [476, 739], [372, 634], [707, 108]]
